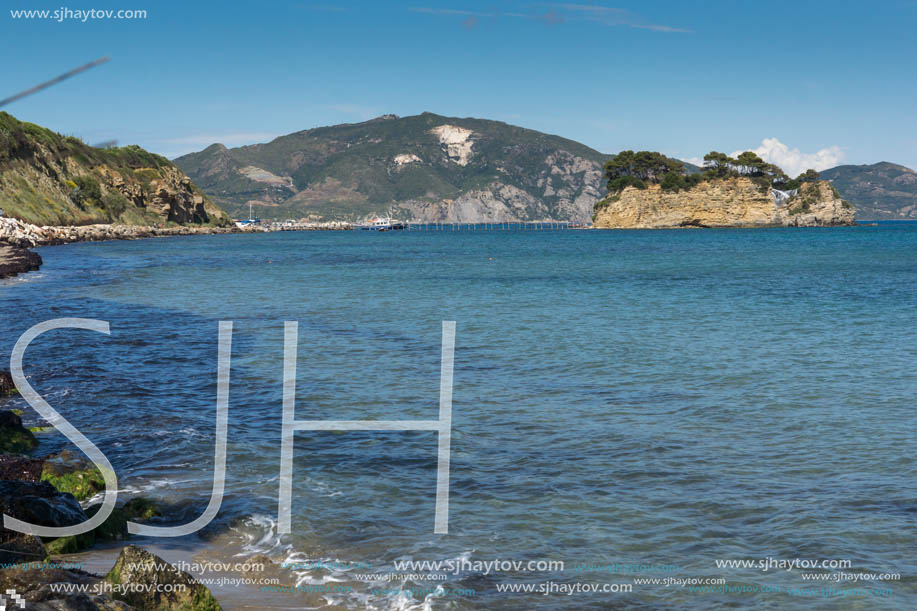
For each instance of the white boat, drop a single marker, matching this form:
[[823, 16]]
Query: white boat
[[380, 224], [251, 220]]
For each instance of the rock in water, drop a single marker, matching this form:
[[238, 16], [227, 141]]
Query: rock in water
[[138, 567], [15, 438], [71, 472], [6, 384], [730, 202], [15, 260]]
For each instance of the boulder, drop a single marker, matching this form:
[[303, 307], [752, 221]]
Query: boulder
[[39, 503], [36, 503], [15, 438], [140, 510], [20, 468], [73, 473], [112, 529], [34, 585], [16, 260], [141, 569], [19, 547], [7, 387]]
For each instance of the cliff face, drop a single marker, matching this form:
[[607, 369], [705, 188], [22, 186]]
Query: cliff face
[[733, 202], [49, 179]]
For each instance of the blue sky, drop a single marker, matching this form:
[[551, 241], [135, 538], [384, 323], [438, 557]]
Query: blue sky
[[680, 77]]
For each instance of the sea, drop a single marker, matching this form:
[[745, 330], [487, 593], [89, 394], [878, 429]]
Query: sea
[[727, 412]]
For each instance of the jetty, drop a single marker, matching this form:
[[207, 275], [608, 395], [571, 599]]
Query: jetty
[[504, 226]]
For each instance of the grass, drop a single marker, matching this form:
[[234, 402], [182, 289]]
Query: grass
[[50, 179]]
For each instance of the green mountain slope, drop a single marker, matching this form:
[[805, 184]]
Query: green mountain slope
[[49, 179], [425, 167], [881, 191]]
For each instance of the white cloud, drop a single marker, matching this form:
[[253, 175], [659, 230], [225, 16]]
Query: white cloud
[[616, 16], [793, 161]]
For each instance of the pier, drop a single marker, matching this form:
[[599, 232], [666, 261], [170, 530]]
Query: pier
[[506, 226], [269, 226]]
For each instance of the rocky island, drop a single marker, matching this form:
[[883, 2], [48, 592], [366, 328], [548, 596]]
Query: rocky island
[[650, 191]]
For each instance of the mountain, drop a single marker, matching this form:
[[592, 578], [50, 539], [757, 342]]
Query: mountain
[[50, 179], [424, 167], [881, 191]]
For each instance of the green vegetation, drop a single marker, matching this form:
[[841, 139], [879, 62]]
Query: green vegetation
[[49, 179], [630, 169], [880, 191], [88, 192], [139, 567], [16, 440], [70, 545], [81, 483], [347, 171], [112, 529], [202, 600], [140, 509]]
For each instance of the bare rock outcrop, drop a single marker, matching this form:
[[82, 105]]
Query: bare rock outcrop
[[16, 260], [733, 202]]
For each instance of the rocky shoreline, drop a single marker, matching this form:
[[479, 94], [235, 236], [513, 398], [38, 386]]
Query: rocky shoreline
[[15, 260], [16, 237], [55, 491]]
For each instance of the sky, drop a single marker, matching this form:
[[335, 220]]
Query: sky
[[804, 83]]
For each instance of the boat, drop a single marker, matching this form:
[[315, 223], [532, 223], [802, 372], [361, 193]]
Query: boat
[[380, 224], [250, 221]]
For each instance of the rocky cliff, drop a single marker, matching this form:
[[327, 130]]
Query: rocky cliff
[[425, 167], [732, 202], [49, 179]]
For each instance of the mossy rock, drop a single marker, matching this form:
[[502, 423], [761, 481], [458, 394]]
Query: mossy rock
[[70, 473], [140, 510], [70, 545], [112, 529], [138, 568], [14, 438]]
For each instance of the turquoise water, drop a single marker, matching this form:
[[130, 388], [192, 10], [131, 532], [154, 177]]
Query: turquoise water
[[641, 398]]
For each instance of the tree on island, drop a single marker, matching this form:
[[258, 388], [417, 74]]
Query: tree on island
[[638, 170], [630, 169]]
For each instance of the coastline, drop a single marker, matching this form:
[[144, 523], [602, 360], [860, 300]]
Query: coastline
[[17, 237], [94, 558], [15, 260]]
